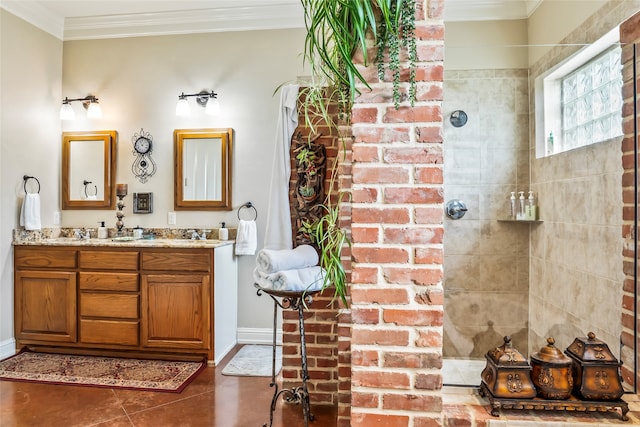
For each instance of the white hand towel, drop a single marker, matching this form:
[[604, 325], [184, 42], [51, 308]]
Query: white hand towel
[[246, 238], [299, 279], [30, 212], [270, 261]]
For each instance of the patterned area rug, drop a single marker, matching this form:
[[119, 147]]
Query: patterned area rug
[[254, 361], [135, 374]]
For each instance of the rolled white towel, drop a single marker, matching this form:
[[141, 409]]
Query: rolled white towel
[[271, 261], [298, 279]]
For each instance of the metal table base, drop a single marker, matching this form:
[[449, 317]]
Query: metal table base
[[298, 395]]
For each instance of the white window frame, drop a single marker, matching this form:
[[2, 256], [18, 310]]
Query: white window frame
[[548, 90]]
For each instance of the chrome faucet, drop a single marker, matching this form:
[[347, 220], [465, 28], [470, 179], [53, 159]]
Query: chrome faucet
[[196, 236], [81, 234]]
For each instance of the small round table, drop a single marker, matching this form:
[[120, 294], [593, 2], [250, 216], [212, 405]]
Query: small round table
[[295, 300]]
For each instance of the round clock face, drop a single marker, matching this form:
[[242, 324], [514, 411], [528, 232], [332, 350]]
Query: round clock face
[[142, 145]]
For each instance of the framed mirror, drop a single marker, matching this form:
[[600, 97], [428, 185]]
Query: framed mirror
[[202, 169], [88, 169]]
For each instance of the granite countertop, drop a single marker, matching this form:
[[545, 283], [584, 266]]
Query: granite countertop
[[160, 239]]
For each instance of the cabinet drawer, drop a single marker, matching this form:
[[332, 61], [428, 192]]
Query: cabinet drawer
[[105, 260], [109, 281], [123, 306], [32, 257], [109, 332], [176, 261]]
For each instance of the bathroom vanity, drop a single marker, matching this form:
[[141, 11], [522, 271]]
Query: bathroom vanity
[[147, 298]]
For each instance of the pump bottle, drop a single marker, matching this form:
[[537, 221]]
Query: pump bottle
[[514, 209], [521, 206], [102, 231], [223, 233]]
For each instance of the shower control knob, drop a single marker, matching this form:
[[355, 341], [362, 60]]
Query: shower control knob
[[455, 209]]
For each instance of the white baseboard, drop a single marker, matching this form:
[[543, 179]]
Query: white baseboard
[[258, 336], [7, 348]]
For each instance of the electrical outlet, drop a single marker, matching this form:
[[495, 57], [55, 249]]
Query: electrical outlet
[[171, 218], [56, 218]]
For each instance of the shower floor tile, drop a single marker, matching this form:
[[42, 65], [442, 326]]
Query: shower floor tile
[[462, 372]]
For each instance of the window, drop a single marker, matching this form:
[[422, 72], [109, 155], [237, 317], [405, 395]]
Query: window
[[592, 101], [579, 102]]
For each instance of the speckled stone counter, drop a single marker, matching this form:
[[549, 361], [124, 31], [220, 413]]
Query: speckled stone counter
[[169, 238]]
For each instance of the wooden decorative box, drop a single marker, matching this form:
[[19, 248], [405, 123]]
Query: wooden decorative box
[[551, 372], [507, 373], [596, 372]]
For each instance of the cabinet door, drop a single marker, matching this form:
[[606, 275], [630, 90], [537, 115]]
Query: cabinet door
[[45, 305], [176, 310]]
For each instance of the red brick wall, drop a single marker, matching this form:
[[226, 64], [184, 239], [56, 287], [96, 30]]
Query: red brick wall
[[629, 35], [396, 290], [381, 360], [321, 317]]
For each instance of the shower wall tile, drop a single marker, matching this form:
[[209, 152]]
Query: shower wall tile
[[576, 254], [486, 261]]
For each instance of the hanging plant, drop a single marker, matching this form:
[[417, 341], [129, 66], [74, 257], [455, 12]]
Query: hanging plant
[[337, 30]]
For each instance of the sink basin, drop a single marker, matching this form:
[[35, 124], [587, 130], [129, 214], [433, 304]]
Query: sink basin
[[125, 239]]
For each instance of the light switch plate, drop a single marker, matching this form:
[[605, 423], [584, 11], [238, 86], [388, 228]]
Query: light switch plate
[[171, 218], [56, 218]]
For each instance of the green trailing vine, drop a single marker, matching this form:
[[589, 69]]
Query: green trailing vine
[[338, 30]]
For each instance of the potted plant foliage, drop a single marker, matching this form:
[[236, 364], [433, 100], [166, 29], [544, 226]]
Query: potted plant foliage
[[337, 30]]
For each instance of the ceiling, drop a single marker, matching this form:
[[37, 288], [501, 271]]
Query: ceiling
[[91, 19]]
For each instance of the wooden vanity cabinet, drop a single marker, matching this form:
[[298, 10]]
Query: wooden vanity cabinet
[[176, 299], [151, 302], [45, 295], [109, 297]]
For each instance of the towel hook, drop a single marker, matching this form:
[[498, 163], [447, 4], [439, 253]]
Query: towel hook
[[86, 183], [27, 178], [248, 205]]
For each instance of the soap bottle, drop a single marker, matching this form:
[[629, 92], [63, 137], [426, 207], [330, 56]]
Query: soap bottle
[[531, 207], [550, 143], [521, 206], [223, 233], [512, 200], [102, 231]]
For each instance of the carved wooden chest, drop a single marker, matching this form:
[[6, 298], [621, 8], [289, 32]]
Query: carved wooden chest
[[507, 373], [551, 372], [596, 372]]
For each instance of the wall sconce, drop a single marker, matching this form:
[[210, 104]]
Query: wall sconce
[[90, 103], [208, 100]]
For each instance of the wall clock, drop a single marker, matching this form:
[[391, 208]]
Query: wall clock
[[143, 166]]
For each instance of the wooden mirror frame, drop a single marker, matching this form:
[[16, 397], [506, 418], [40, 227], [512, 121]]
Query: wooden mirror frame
[[108, 137], [226, 137]]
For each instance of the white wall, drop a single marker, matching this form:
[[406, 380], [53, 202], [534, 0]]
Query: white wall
[[553, 20], [30, 79], [475, 45], [138, 81]]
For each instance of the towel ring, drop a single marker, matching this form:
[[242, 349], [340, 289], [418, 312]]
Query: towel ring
[[86, 183], [248, 205], [27, 178]]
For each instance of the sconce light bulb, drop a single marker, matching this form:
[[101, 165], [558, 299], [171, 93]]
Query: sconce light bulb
[[94, 111], [182, 108], [213, 107], [66, 112]]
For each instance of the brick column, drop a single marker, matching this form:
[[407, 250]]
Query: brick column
[[396, 291], [629, 36]]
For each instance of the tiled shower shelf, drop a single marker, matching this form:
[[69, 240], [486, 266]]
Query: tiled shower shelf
[[527, 221]]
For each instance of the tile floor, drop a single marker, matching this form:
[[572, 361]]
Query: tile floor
[[212, 399]]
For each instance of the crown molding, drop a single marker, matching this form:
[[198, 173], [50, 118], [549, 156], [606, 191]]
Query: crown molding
[[489, 10], [186, 22], [36, 14], [274, 15]]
